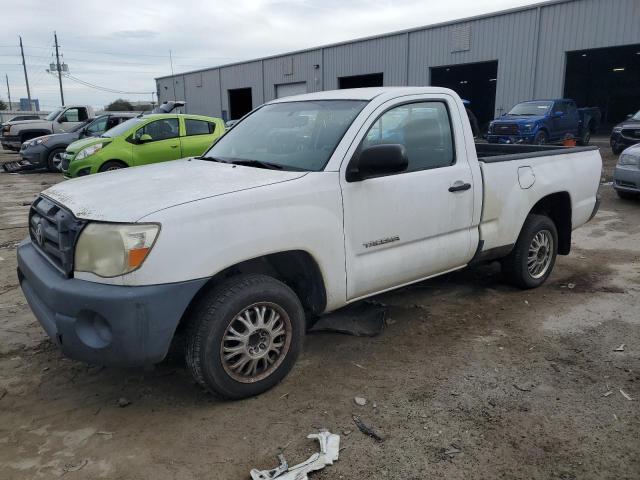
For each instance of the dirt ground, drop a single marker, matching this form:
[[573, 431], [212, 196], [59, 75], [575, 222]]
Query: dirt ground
[[471, 379]]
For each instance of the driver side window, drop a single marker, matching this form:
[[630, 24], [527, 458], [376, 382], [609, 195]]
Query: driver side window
[[74, 115], [160, 129], [97, 126], [424, 130]]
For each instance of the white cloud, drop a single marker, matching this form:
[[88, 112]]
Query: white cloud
[[123, 45]]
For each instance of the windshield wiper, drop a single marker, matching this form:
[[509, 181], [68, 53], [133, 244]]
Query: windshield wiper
[[257, 163], [212, 159]]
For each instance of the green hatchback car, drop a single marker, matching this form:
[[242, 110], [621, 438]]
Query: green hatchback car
[[140, 141]]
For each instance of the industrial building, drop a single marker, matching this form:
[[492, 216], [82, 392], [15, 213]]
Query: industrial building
[[588, 50]]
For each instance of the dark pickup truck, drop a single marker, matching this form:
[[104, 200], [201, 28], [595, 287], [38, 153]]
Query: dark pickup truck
[[545, 121]]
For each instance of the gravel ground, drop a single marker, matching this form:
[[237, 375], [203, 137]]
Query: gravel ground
[[471, 379]]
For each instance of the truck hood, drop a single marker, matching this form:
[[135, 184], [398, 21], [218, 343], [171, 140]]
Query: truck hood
[[30, 124], [519, 119], [129, 194]]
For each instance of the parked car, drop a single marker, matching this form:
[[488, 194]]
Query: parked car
[[61, 120], [46, 151], [625, 134], [20, 117], [303, 207], [545, 121], [142, 140], [626, 176]]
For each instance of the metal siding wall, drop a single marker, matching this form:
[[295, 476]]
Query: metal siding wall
[[245, 75], [165, 89], [509, 38], [581, 25], [387, 55], [203, 100], [303, 71]]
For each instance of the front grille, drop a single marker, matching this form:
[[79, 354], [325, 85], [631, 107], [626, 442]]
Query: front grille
[[54, 230], [631, 133], [506, 129]]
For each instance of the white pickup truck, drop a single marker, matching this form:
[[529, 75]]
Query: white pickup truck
[[307, 204]]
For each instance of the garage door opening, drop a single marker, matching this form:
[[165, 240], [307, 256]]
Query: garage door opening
[[288, 89], [475, 82], [240, 102], [360, 81], [608, 78]]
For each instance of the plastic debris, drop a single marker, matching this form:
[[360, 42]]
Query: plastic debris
[[329, 450], [123, 402], [606, 394], [367, 430], [360, 401], [620, 348], [452, 451], [571, 286], [625, 395]]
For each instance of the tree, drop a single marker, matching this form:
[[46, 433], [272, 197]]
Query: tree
[[3, 106], [119, 105]]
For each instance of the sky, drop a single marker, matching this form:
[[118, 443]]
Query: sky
[[123, 45]]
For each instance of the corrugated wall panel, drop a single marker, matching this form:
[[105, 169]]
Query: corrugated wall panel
[[382, 55], [581, 25], [245, 75], [203, 93], [302, 70], [510, 39]]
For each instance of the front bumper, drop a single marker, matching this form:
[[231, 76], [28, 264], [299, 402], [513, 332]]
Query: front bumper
[[77, 168], [103, 324], [10, 142], [626, 179], [618, 140], [510, 139], [34, 157]]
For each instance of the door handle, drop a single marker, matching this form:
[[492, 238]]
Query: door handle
[[174, 146], [459, 187]]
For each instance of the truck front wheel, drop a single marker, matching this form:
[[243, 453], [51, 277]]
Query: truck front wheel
[[540, 138], [532, 259], [245, 336]]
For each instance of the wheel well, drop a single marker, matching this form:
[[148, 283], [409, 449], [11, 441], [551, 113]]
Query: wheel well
[[557, 207], [113, 161], [296, 268], [32, 134]]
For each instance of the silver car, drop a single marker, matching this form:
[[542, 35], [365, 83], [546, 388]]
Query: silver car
[[626, 177]]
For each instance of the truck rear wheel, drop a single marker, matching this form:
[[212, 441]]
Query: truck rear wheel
[[245, 336], [532, 259]]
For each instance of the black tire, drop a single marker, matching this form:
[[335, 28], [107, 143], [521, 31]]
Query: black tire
[[51, 166], [541, 138], [627, 195], [111, 165], [218, 317], [585, 139], [516, 265], [617, 149]]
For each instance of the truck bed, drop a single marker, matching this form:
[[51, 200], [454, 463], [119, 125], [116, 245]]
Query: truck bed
[[494, 152], [515, 177]]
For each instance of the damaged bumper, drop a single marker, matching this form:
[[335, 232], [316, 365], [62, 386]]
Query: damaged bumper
[[103, 324], [10, 142]]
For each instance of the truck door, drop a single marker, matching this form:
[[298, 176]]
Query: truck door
[[407, 226], [70, 118], [573, 119]]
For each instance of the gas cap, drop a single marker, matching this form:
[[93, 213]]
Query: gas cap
[[526, 177]]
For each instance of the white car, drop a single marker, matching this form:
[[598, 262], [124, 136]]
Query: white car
[[308, 204]]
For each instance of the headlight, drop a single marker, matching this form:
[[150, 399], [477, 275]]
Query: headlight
[[88, 151], [528, 127], [628, 160], [617, 129], [38, 141], [113, 249]]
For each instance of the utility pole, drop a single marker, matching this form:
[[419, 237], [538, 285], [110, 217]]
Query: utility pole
[[8, 90], [26, 77], [58, 67]]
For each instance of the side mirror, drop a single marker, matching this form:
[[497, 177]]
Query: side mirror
[[62, 119], [144, 138], [378, 160], [558, 114]]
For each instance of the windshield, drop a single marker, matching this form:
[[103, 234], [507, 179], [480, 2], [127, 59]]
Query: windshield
[[636, 116], [123, 127], [78, 127], [291, 135], [531, 108], [52, 116]]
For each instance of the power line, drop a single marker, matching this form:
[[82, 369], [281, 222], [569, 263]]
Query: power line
[[102, 88]]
